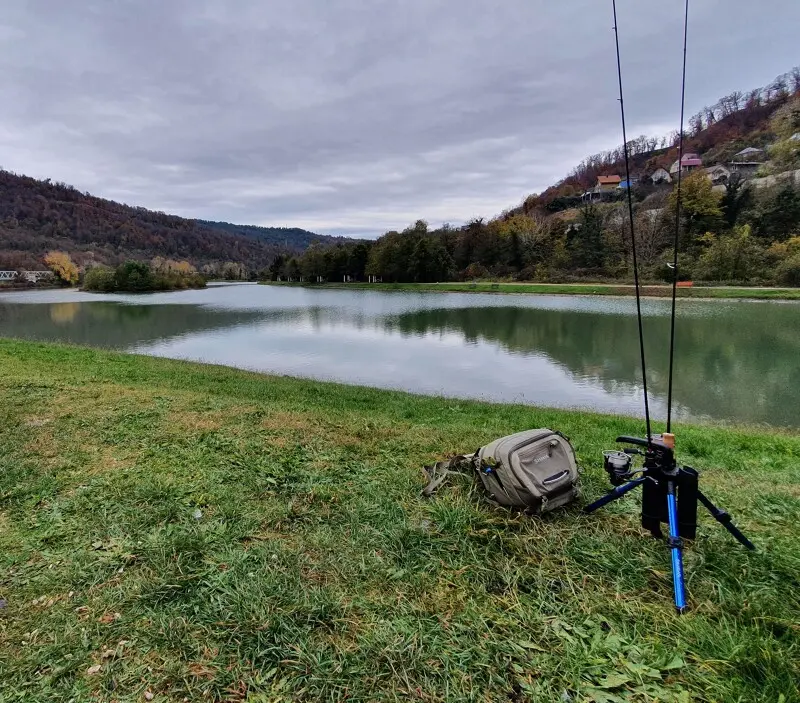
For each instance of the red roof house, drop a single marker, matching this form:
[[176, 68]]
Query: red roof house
[[689, 162], [607, 182]]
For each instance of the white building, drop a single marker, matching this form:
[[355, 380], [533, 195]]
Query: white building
[[660, 175]]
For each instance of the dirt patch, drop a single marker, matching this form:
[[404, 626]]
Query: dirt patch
[[194, 421], [291, 422]]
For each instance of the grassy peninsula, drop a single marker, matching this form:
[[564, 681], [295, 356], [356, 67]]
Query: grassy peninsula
[[173, 531], [569, 289]]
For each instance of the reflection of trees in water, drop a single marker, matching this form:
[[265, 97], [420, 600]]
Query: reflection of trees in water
[[741, 362], [116, 325], [63, 313], [738, 360]]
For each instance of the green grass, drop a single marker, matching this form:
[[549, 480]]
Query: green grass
[[202, 533], [571, 289]]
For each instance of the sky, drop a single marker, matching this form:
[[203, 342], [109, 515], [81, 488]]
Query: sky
[[355, 117]]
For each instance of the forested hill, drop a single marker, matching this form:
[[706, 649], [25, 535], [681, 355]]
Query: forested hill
[[291, 238], [717, 133], [40, 216]]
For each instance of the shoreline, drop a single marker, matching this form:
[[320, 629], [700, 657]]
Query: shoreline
[[600, 289]]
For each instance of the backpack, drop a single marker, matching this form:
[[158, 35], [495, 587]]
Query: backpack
[[534, 471]]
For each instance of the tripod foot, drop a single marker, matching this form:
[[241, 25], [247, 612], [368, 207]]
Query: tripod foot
[[725, 520]]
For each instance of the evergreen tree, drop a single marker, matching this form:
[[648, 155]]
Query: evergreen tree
[[585, 240]]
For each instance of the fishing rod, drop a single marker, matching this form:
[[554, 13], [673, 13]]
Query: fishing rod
[[633, 231], [670, 493], [677, 222]]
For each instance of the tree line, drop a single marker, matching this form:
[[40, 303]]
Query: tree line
[[140, 277], [739, 235]]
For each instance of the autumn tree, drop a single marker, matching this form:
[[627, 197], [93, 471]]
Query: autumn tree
[[735, 256], [62, 266], [701, 211], [162, 265], [785, 256], [233, 271]]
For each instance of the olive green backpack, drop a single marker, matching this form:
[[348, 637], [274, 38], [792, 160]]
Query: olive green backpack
[[534, 471]]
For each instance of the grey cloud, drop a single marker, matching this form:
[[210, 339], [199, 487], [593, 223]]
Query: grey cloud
[[353, 116]]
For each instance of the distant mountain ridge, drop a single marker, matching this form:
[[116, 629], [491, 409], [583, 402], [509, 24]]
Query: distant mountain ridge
[[37, 216]]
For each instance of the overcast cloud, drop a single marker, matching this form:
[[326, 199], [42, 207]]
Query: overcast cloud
[[355, 116]]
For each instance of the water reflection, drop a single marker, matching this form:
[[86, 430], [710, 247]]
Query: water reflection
[[112, 325], [736, 361], [739, 361]]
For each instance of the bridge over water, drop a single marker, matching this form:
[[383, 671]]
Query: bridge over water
[[32, 276]]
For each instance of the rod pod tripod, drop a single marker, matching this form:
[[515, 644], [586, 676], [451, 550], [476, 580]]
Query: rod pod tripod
[[669, 495]]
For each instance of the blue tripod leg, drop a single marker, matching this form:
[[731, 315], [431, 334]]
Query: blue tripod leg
[[676, 545], [618, 492]]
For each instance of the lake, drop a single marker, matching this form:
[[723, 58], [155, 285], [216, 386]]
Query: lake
[[735, 360]]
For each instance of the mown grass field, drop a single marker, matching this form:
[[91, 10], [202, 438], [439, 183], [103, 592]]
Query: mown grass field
[[171, 532], [571, 289]]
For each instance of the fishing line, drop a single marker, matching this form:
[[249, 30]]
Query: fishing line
[[677, 223], [633, 231]]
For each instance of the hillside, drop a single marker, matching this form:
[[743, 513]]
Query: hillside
[[39, 216], [717, 133], [289, 238]]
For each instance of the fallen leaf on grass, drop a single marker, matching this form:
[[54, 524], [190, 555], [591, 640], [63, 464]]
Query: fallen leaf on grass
[[201, 671], [108, 618], [93, 670]]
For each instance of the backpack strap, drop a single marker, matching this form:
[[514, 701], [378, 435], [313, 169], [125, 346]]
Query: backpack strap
[[436, 474]]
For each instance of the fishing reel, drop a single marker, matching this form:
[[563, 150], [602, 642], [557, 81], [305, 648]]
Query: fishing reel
[[618, 465]]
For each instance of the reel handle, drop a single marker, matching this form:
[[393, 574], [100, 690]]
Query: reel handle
[[634, 440]]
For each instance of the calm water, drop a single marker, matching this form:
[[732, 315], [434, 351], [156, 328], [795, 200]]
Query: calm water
[[735, 360]]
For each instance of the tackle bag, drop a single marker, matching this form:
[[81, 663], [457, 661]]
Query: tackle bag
[[534, 471]]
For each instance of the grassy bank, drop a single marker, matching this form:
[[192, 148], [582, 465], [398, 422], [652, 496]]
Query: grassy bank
[[202, 533], [572, 289]]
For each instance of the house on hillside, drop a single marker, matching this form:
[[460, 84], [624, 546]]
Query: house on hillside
[[605, 189], [749, 154], [605, 183], [660, 175], [718, 174], [688, 162]]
